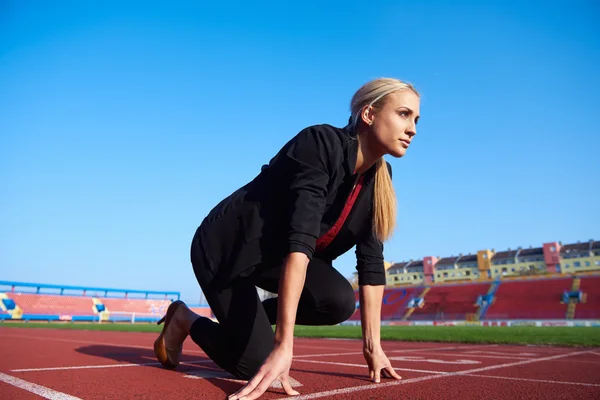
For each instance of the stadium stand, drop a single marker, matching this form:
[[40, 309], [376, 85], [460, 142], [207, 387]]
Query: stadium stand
[[530, 299], [589, 307], [450, 302], [46, 306], [31, 301], [394, 304], [550, 282]]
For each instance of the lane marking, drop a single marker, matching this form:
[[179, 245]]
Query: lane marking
[[482, 356], [103, 366], [366, 366], [205, 373], [534, 380], [412, 350], [92, 342], [434, 360], [425, 378], [40, 390], [499, 353]]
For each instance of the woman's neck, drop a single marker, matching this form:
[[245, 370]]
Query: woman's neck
[[365, 157]]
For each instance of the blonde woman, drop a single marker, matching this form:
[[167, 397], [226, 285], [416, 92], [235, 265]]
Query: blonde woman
[[327, 190]]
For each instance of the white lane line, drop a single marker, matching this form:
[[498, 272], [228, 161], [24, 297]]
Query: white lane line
[[92, 342], [533, 380], [481, 356], [103, 366], [43, 391], [425, 378], [412, 350], [499, 353], [365, 366], [593, 352], [206, 373]]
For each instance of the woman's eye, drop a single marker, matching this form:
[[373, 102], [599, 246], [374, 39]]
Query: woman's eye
[[403, 113]]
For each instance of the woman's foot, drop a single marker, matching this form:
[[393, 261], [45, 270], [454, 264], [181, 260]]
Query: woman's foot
[[169, 344]]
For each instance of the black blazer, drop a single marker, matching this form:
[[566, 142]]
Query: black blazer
[[294, 200]]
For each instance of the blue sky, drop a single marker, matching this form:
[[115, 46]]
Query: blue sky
[[122, 125]]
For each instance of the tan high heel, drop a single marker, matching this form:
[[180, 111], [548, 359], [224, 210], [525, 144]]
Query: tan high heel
[[169, 358]]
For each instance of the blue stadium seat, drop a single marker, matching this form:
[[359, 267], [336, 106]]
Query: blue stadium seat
[[9, 304]]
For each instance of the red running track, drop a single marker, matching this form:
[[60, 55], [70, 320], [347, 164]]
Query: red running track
[[70, 365]]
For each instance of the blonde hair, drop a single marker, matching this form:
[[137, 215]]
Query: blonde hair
[[374, 94]]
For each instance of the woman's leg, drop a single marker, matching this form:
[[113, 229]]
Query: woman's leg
[[243, 338], [327, 297]]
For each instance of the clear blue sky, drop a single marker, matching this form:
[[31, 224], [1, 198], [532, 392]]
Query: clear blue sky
[[121, 126]]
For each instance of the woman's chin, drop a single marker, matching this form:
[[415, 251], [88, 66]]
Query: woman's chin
[[397, 152]]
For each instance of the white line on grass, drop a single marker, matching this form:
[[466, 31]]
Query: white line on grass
[[426, 378], [43, 391]]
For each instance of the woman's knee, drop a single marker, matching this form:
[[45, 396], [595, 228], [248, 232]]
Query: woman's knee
[[342, 306]]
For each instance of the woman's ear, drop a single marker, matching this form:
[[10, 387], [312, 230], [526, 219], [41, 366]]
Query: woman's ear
[[368, 115]]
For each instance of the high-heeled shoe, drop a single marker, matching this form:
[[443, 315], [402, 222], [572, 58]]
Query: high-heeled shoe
[[168, 357]]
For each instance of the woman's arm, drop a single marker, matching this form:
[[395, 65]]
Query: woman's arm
[[291, 283], [370, 314], [278, 363]]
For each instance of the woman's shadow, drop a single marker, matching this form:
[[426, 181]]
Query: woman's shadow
[[192, 367]]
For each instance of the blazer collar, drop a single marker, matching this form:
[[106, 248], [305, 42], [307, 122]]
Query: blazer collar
[[352, 155], [351, 144]]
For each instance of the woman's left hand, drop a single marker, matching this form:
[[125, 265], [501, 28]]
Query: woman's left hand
[[378, 363]]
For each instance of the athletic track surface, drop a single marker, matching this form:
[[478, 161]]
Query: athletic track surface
[[69, 365]]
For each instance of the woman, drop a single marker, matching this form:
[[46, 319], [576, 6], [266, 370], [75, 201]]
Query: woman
[[326, 191]]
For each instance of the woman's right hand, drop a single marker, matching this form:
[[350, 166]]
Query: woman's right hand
[[276, 366]]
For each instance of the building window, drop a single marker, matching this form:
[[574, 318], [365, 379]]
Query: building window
[[587, 263], [577, 264], [553, 249]]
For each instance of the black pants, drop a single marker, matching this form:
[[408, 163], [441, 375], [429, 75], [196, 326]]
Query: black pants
[[243, 338]]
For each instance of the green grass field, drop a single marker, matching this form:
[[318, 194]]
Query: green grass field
[[555, 336]]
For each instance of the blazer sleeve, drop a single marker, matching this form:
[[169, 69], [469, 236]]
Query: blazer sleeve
[[308, 161], [369, 255], [369, 259]]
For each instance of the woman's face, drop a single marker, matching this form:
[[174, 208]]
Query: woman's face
[[393, 126]]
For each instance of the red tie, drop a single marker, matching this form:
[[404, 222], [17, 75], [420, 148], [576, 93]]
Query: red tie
[[327, 238]]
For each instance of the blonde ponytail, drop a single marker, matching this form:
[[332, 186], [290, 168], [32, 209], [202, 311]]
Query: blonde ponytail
[[384, 203], [374, 94]]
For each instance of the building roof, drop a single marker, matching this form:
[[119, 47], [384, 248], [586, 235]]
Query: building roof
[[501, 255], [532, 251]]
